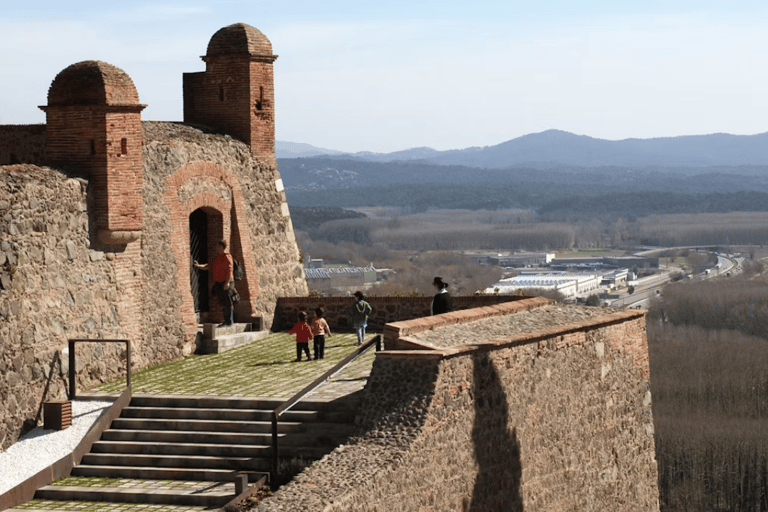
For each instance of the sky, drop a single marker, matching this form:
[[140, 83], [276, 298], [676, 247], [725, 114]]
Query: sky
[[387, 76]]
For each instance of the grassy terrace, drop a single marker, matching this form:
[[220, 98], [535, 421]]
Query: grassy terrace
[[264, 368]]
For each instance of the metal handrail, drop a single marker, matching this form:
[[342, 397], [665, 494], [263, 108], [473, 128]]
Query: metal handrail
[[72, 386], [288, 404]]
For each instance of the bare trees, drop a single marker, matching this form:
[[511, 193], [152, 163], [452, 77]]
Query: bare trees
[[710, 395]]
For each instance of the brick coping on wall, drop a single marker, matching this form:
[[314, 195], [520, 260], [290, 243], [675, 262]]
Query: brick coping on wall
[[396, 333]]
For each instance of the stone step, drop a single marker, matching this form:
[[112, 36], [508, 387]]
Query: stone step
[[243, 427], [219, 450], [253, 427], [174, 461], [236, 414], [213, 402], [217, 496], [202, 401], [217, 339], [307, 439], [180, 436], [153, 473], [212, 330]]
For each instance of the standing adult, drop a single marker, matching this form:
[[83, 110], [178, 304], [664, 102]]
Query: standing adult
[[359, 312], [441, 302], [222, 269]]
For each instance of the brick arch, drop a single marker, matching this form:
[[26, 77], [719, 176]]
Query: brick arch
[[235, 230]]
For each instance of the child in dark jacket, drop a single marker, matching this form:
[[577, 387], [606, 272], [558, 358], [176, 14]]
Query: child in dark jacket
[[303, 333]]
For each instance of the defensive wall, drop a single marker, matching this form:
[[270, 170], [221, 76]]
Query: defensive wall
[[385, 309], [103, 214], [556, 416]]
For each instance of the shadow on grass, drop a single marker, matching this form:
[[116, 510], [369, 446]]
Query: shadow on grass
[[273, 363]]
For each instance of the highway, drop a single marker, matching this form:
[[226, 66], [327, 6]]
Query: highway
[[647, 288]]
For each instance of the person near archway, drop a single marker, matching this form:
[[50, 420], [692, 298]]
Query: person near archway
[[222, 269]]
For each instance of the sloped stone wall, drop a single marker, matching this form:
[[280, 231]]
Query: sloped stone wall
[[55, 286], [558, 419]]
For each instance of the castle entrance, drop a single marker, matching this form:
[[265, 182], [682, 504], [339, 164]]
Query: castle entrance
[[198, 251]]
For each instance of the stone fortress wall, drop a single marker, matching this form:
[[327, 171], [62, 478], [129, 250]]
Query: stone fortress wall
[[385, 309], [555, 418], [95, 232]]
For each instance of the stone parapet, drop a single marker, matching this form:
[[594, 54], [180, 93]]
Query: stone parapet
[[552, 419], [386, 309]]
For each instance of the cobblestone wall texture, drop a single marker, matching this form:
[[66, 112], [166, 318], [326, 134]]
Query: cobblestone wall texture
[[55, 286], [553, 420]]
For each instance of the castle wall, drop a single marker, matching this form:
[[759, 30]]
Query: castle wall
[[59, 281], [554, 419], [385, 309], [57, 285], [22, 144]]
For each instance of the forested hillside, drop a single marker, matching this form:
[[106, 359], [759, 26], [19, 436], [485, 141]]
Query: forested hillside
[[554, 192]]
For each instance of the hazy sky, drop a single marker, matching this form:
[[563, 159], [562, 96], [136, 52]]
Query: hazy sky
[[356, 76]]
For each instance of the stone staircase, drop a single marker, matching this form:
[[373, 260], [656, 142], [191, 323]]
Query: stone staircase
[[187, 450], [213, 339]]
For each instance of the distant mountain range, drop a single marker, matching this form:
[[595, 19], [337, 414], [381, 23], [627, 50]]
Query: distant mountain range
[[556, 147]]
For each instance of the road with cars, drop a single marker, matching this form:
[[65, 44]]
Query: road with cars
[[646, 289]]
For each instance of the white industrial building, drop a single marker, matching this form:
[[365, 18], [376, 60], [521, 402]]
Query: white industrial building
[[570, 285]]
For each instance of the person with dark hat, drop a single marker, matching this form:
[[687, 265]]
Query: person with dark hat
[[441, 303]]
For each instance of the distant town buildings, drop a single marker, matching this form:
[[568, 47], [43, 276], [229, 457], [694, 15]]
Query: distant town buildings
[[570, 285], [516, 260], [571, 277]]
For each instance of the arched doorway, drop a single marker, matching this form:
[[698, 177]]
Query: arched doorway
[[198, 251]]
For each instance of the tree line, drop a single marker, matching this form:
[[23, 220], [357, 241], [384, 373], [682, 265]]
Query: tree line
[[525, 230], [708, 353]]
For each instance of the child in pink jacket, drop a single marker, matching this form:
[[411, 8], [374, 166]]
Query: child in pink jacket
[[320, 329]]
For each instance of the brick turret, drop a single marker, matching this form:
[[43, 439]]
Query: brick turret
[[94, 124], [235, 94]]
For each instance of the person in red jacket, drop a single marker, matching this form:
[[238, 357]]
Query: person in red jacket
[[303, 333], [222, 269]]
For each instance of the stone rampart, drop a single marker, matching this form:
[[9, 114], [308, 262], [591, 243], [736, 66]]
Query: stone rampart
[[55, 286], [557, 418], [385, 309]]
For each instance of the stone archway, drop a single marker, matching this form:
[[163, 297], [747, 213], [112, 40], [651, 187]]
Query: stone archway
[[208, 187]]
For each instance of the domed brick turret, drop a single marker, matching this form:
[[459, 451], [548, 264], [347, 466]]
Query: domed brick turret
[[93, 124], [239, 39], [92, 82], [235, 95]]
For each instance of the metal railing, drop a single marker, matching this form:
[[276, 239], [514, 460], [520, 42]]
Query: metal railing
[[72, 383], [288, 404]]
